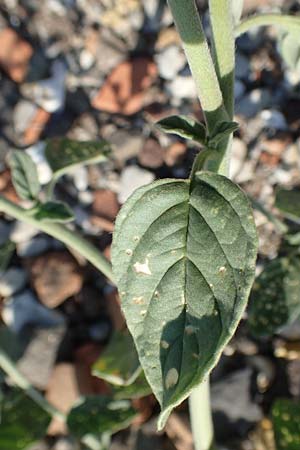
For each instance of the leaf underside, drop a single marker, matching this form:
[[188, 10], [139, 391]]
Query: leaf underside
[[184, 264], [24, 175], [286, 423], [275, 298]]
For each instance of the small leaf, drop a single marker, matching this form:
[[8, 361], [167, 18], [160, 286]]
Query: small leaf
[[184, 261], [288, 202], [24, 175], [275, 298], [222, 131], [289, 48], [6, 253], [286, 424], [21, 421], [64, 154], [139, 388], [52, 212], [185, 127], [119, 363], [100, 414]]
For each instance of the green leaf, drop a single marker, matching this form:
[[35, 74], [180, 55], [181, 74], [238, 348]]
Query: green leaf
[[289, 48], [100, 414], [64, 154], [275, 298], [237, 10], [185, 127], [184, 263], [288, 202], [24, 175], [222, 131], [21, 421], [52, 211], [139, 388], [6, 252], [286, 424], [119, 363]]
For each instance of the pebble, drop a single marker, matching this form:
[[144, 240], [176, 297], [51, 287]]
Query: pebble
[[239, 89], [132, 178], [12, 281], [22, 232], [105, 204], [181, 88], [37, 154], [151, 154], [252, 103], [238, 157], [170, 61], [15, 54], [4, 232], [242, 68], [23, 310], [49, 94], [274, 119], [34, 247]]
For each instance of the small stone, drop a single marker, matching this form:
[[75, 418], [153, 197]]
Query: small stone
[[15, 54], [242, 68], [132, 178], [37, 154], [22, 232], [125, 145], [105, 204], [175, 154], [12, 281], [170, 61], [4, 232], [23, 310], [34, 247], [238, 157], [249, 105], [151, 155], [126, 87], [274, 120], [182, 87], [36, 127], [55, 276]]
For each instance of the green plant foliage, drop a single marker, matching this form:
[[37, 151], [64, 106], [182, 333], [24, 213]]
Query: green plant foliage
[[286, 424], [24, 176], [289, 47], [288, 202], [275, 298], [184, 261], [119, 363], [139, 388], [21, 421], [222, 130], [100, 414], [185, 127], [52, 211], [10, 343], [64, 154], [6, 253]]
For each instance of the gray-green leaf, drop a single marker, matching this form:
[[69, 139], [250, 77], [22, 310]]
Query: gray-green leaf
[[119, 363], [288, 202], [184, 264], [185, 127], [100, 414], [286, 424], [275, 298], [222, 131], [24, 175], [52, 211], [64, 154]]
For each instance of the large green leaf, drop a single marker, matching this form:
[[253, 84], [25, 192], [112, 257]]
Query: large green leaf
[[184, 262], [100, 414], [24, 175], [185, 127], [275, 298], [139, 388], [288, 202], [64, 154], [119, 363], [286, 423], [21, 421]]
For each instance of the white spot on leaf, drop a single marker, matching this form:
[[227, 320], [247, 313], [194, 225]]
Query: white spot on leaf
[[222, 270], [129, 252], [165, 344], [143, 267], [138, 300], [171, 378]]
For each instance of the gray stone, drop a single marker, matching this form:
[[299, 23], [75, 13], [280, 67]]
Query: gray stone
[[170, 61], [132, 178], [37, 154], [34, 247], [252, 103], [238, 157], [274, 119], [12, 281], [40, 355], [182, 87], [242, 68], [22, 232], [4, 232]]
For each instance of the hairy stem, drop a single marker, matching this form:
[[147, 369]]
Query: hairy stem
[[63, 234], [189, 26], [290, 23], [221, 17], [8, 366]]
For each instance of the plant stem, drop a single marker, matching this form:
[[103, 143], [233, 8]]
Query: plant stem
[[8, 366], [189, 26], [63, 234], [201, 420], [291, 23], [221, 18]]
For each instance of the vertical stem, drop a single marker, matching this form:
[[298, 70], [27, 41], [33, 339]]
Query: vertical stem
[[221, 16], [8, 366], [201, 419]]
